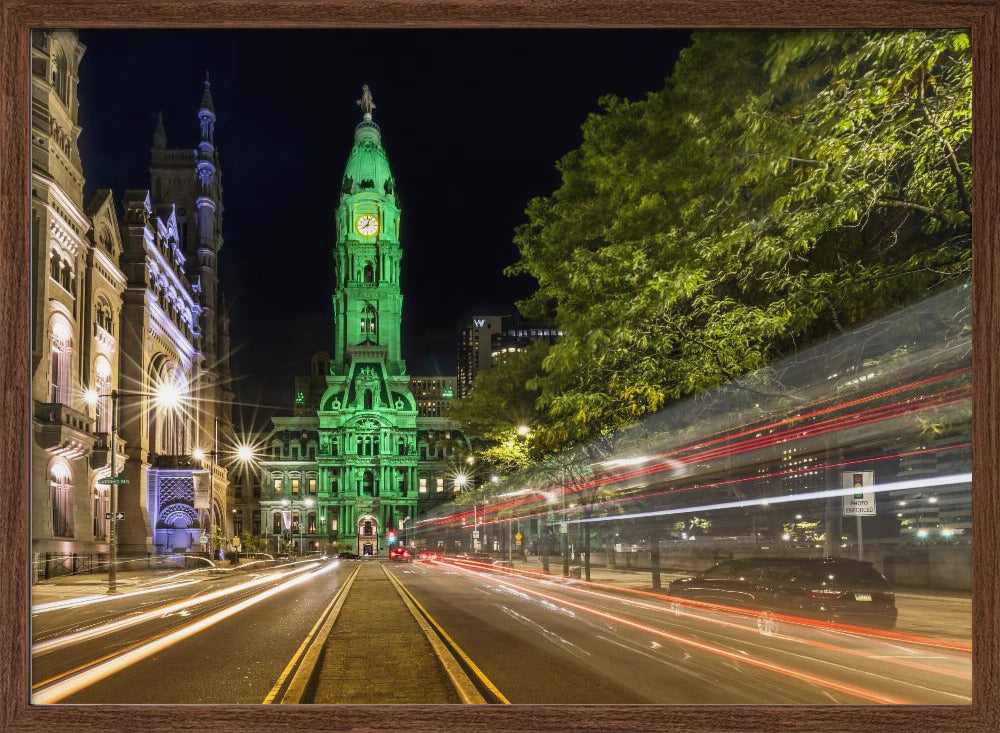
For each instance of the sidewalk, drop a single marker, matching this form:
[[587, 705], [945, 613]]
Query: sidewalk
[[377, 653], [921, 610]]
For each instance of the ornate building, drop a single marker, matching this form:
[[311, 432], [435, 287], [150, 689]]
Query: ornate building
[[121, 305], [356, 457], [76, 314]]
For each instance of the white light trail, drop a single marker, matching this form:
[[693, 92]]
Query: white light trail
[[923, 483], [70, 685], [102, 629], [88, 600]]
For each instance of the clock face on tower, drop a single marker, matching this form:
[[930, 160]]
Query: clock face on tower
[[366, 225]]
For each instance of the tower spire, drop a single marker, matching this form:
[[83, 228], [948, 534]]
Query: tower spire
[[206, 95], [160, 133]]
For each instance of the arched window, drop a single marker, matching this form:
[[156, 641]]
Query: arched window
[[368, 399], [368, 483], [61, 482], [103, 315], [171, 434], [55, 266], [102, 506], [102, 385], [369, 273], [368, 320], [60, 76], [61, 356]]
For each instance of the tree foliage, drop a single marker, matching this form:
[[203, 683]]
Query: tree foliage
[[781, 186]]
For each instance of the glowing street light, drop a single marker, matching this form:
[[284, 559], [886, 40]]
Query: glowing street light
[[523, 430], [495, 479], [198, 454]]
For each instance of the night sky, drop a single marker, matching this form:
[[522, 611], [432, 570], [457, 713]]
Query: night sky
[[473, 122]]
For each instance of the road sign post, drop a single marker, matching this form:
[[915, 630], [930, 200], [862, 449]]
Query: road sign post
[[861, 503]]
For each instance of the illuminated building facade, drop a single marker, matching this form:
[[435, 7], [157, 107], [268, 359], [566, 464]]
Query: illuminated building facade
[[123, 299], [356, 457]]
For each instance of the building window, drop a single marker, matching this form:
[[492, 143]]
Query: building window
[[103, 315], [312, 485], [62, 353], [102, 506], [368, 321], [255, 529], [295, 486], [55, 266], [276, 523], [368, 399], [312, 453], [423, 453], [60, 77], [311, 526], [368, 530], [277, 486], [440, 485], [102, 384], [237, 523], [333, 525], [423, 485], [61, 481]]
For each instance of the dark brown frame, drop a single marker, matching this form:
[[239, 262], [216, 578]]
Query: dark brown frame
[[18, 16]]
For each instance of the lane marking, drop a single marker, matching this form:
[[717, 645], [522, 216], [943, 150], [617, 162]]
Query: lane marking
[[330, 613], [70, 685], [470, 665]]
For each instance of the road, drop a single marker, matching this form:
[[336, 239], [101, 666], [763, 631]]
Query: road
[[538, 639], [260, 619], [542, 640]]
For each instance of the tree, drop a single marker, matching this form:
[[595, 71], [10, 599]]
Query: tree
[[782, 186], [502, 401]]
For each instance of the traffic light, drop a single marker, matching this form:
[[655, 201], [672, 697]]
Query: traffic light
[[391, 536]]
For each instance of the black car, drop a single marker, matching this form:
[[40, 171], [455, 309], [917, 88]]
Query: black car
[[348, 556], [828, 588]]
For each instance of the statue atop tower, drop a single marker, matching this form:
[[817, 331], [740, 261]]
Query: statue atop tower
[[366, 103]]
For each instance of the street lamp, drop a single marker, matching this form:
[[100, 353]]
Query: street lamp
[[167, 395]]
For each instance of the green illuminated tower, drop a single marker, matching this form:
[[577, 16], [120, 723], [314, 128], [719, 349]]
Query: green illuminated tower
[[367, 461]]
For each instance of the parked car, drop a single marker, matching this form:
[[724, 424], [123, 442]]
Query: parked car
[[828, 588], [348, 556]]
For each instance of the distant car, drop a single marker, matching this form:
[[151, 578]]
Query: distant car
[[428, 555], [348, 556], [400, 554], [829, 588]]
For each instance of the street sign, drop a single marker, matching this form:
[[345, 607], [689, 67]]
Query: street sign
[[475, 534], [236, 542], [121, 515], [203, 539], [862, 503], [119, 480], [517, 536]]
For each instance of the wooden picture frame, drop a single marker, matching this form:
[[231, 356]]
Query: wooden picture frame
[[17, 17]]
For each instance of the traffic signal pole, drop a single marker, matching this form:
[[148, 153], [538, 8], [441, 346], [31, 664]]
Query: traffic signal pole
[[113, 530]]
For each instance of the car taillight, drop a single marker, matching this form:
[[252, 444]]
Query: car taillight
[[825, 593]]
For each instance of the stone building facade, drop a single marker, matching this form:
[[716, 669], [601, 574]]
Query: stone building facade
[[121, 303]]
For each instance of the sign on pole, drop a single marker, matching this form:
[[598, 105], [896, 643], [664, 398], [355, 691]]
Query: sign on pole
[[112, 480], [203, 539], [861, 503]]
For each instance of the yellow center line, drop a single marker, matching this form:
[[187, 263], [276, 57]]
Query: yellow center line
[[454, 646], [305, 642]]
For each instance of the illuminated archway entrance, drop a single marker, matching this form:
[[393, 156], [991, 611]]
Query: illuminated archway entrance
[[367, 536]]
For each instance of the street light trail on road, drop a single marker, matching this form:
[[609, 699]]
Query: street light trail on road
[[111, 627], [782, 669], [65, 687]]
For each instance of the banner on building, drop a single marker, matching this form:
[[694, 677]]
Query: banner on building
[[202, 490]]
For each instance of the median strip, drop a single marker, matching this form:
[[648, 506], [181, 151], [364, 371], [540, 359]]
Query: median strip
[[307, 656]]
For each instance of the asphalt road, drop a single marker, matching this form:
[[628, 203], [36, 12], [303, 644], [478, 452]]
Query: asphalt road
[[128, 650], [548, 641]]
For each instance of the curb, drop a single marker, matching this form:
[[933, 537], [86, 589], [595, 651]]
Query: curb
[[306, 659], [472, 686]]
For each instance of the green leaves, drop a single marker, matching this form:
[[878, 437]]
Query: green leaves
[[781, 186]]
